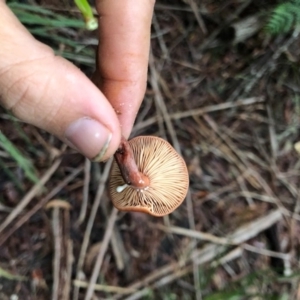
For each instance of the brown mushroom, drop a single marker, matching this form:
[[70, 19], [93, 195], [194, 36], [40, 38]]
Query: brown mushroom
[[149, 176]]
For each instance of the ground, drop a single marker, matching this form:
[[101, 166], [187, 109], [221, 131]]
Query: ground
[[226, 95]]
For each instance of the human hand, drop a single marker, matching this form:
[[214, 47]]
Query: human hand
[[51, 93]]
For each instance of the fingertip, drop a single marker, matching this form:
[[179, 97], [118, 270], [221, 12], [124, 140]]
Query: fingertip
[[123, 53], [93, 139], [49, 92]]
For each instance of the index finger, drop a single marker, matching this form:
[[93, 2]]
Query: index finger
[[124, 42]]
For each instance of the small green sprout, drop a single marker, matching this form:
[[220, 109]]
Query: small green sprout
[[87, 13]]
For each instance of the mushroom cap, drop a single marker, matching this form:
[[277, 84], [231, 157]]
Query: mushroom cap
[[167, 173]]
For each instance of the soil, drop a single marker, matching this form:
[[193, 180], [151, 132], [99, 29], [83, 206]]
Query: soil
[[230, 104]]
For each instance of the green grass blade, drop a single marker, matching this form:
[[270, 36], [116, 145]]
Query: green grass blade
[[7, 275], [86, 10], [35, 15], [24, 163], [11, 175]]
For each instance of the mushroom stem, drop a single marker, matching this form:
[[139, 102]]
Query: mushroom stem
[[127, 165]]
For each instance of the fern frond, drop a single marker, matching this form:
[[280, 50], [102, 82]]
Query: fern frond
[[284, 17]]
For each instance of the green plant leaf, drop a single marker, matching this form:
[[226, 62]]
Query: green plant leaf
[[35, 15], [7, 275], [86, 10], [284, 17], [24, 163]]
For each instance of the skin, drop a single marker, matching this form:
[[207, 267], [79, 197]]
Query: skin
[[49, 92]]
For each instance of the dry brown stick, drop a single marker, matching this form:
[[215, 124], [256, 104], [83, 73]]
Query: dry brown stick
[[104, 288], [246, 27], [241, 182], [202, 111], [30, 195], [218, 192], [162, 282], [154, 79], [68, 274], [193, 245], [60, 229], [57, 253], [195, 9], [231, 255], [160, 39], [236, 155], [118, 248], [68, 255], [266, 252], [85, 197], [100, 256], [90, 224], [53, 152], [231, 154], [272, 133], [271, 195], [39, 205], [208, 252], [252, 229], [203, 236], [163, 271], [294, 191], [217, 107]]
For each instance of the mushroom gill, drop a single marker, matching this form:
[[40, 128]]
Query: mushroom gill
[[167, 174]]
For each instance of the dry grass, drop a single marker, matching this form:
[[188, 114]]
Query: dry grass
[[232, 109]]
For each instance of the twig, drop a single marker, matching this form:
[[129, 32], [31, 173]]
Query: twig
[[85, 198], [225, 147], [202, 111], [252, 229], [30, 195], [241, 181], [39, 205], [161, 104], [195, 234], [100, 257], [61, 258], [266, 252], [235, 253], [118, 250], [161, 41], [204, 255], [57, 253], [104, 288], [68, 273], [198, 17], [90, 224], [193, 244]]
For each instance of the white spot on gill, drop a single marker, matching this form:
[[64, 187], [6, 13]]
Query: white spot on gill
[[121, 188]]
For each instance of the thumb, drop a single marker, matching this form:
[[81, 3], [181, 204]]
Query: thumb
[[51, 93]]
